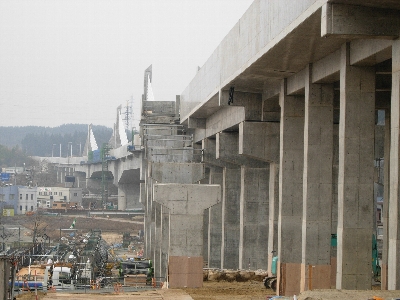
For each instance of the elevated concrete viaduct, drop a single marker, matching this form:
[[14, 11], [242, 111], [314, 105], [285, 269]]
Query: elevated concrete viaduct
[[286, 112], [275, 148], [124, 170]]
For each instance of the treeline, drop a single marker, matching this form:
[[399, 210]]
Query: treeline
[[46, 141], [13, 157]]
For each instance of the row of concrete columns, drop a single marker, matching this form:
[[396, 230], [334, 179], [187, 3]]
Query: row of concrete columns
[[287, 187], [323, 178]]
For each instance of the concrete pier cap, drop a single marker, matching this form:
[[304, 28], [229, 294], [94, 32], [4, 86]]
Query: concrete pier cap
[[188, 199]]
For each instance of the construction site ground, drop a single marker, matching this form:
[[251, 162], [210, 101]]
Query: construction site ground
[[219, 291], [112, 230]]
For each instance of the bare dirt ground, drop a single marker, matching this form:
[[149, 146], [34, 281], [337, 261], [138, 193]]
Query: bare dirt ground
[[139, 295], [51, 225], [112, 230], [222, 291], [349, 295]]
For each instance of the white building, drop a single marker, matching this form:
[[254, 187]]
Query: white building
[[47, 195]]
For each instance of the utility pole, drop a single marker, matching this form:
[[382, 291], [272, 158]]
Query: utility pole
[[128, 113], [105, 150]]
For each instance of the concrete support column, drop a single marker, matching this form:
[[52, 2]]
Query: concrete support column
[[215, 223], [273, 213], [4, 278], [121, 199], [334, 204], [290, 192], [186, 203], [158, 239], [356, 175], [230, 219], [394, 224], [148, 204], [253, 218], [164, 242], [129, 196], [317, 185], [205, 180], [386, 199]]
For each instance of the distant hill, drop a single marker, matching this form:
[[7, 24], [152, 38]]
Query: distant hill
[[45, 141]]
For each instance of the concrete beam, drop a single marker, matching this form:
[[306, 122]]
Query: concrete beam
[[252, 103], [186, 199], [196, 123], [370, 52], [227, 117], [295, 83], [227, 149], [259, 140], [209, 155], [326, 70], [177, 172], [342, 20], [272, 89], [271, 111]]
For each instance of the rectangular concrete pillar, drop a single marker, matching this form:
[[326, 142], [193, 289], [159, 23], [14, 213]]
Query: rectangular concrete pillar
[[206, 222], [147, 217], [317, 185], [253, 218], [230, 219], [121, 199], [205, 180], [334, 205], [394, 224], [386, 199], [4, 277], [164, 242], [215, 223], [290, 192], [157, 240], [356, 175], [273, 213]]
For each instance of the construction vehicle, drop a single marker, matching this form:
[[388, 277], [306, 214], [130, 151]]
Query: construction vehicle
[[138, 266], [270, 281]]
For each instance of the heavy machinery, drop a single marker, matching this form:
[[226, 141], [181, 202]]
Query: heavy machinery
[[138, 266], [270, 282]]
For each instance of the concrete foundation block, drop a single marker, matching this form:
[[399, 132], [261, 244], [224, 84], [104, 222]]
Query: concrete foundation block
[[185, 271]]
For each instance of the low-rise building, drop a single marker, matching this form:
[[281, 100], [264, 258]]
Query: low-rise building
[[18, 200], [49, 195]]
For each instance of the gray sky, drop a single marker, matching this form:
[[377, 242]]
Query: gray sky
[[75, 61]]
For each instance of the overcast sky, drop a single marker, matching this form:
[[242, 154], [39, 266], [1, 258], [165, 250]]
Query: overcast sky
[[76, 61]]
